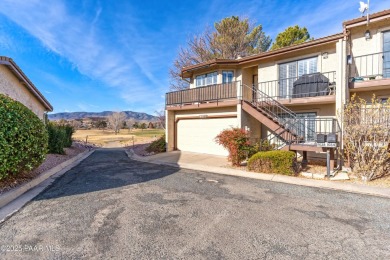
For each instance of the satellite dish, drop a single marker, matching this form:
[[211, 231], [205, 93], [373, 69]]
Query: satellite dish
[[363, 7]]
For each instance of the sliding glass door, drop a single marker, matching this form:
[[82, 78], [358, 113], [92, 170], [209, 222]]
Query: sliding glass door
[[386, 54], [291, 71]]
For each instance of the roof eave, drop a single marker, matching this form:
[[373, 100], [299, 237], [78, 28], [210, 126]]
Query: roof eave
[[30, 86], [305, 45], [385, 14], [188, 71]]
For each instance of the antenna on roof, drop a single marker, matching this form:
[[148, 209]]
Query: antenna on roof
[[364, 7]]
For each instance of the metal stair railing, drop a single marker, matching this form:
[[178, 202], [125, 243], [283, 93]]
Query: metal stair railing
[[292, 129], [276, 139], [283, 116], [268, 104]]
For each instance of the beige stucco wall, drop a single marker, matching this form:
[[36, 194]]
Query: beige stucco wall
[[367, 95], [206, 111], [323, 110], [268, 71], [10, 86], [361, 46], [370, 65], [251, 124], [169, 130]]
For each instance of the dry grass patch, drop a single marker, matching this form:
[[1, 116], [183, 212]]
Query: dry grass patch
[[108, 138]]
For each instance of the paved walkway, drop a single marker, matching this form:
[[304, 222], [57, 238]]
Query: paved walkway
[[219, 164], [177, 158], [111, 207]]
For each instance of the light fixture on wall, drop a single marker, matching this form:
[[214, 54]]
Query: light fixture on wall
[[324, 55], [349, 59], [367, 35]]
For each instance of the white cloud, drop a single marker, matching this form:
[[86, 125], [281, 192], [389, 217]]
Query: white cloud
[[83, 43], [85, 107]]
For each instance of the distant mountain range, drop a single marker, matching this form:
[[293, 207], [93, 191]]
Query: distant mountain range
[[83, 115]]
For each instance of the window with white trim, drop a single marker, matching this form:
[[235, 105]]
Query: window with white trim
[[289, 72], [306, 125], [386, 54], [206, 79], [227, 76]]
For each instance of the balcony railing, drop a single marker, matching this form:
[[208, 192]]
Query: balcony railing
[[307, 131], [211, 93], [370, 66], [308, 85], [373, 116]]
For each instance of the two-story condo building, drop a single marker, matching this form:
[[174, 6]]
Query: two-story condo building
[[288, 96]]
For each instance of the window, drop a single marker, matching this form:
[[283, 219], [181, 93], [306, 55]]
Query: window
[[227, 76], [289, 72], [383, 100], [386, 54], [306, 125], [206, 79]]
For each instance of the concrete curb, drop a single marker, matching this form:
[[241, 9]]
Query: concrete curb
[[325, 184], [60, 169]]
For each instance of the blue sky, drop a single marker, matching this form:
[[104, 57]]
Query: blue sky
[[91, 55]]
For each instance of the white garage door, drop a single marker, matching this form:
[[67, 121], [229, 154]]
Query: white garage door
[[198, 135]]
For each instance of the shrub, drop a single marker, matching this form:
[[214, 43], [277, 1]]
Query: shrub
[[157, 146], [60, 136], [282, 162], [23, 139], [366, 137], [265, 145], [236, 141], [68, 135], [57, 138]]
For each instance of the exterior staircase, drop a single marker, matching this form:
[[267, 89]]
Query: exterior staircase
[[280, 120]]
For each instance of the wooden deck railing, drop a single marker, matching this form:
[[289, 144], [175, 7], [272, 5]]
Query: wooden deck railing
[[202, 94]]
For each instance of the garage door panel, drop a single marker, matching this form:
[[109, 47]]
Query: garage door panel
[[198, 135]]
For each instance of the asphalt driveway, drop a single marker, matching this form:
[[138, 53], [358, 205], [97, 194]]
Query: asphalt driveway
[[112, 207]]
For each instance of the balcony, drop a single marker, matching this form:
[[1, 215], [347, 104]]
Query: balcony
[[370, 71], [201, 96], [316, 88], [308, 88]]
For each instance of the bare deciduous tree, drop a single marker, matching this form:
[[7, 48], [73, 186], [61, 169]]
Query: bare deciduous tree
[[130, 123], [160, 118], [367, 137], [116, 120]]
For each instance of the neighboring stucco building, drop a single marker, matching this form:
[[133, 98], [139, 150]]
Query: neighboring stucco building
[[15, 84], [309, 82]]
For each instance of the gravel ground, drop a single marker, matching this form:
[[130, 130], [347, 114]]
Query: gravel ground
[[140, 149], [51, 161]]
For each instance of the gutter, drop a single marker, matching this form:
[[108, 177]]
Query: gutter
[[268, 54], [30, 86]]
